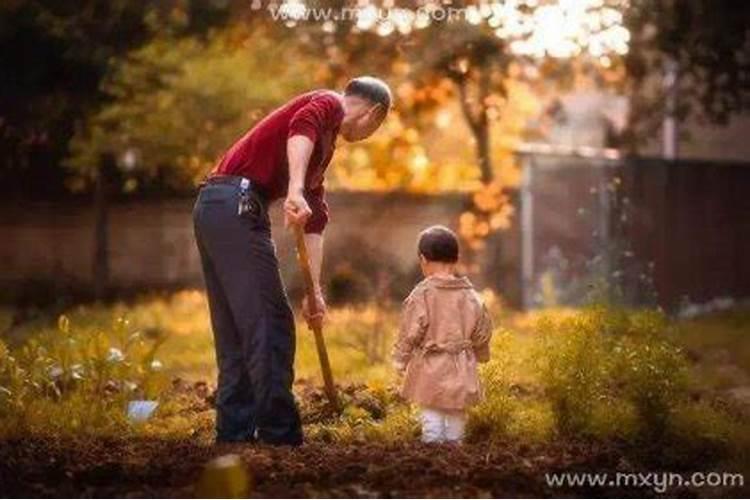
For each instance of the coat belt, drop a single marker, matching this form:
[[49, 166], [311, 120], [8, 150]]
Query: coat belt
[[447, 347]]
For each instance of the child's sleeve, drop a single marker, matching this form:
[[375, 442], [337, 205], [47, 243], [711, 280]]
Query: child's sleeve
[[413, 327], [480, 337]]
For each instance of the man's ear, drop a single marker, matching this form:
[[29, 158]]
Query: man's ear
[[378, 111]]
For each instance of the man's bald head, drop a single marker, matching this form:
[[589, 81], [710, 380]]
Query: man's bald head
[[373, 89], [366, 103]]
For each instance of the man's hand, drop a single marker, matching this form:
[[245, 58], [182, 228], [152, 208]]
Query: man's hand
[[296, 209], [314, 319]]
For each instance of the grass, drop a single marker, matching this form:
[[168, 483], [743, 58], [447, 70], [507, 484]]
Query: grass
[[719, 345], [181, 319], [598, 374]]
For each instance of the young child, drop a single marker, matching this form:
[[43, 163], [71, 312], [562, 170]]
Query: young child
[[445, 331]]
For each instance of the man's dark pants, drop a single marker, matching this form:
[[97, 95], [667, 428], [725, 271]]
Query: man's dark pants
[[252, 322]]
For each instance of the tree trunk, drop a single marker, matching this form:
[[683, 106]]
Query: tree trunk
[[482, 136], [477, 118], [478, 123]]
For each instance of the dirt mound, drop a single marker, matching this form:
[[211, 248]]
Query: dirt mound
[[315, 408]]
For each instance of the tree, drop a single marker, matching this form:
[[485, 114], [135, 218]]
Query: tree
[[473, 56], [177, 103], [709, 41], [55, 55]]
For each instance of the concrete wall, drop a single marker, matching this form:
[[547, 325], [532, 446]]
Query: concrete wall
[[151, 242]]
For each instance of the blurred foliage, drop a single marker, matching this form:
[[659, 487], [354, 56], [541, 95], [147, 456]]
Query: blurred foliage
[[55, 56], [708, 40], [178, 103], [204, 104], [454, 80], [360, 273], [605, 374]]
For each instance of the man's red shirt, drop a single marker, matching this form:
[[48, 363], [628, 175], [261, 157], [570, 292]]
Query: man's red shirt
[[260, 155]]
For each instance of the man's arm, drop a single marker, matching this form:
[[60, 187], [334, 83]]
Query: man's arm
[[296, 207], [304, 129], [306, 206], [314, 243], [297, 211], [299, 148]]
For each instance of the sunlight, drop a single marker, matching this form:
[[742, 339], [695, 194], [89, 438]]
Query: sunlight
[[561, 29], [293, 9]]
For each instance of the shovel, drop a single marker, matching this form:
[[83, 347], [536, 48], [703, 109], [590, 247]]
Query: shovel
[[320, 345]]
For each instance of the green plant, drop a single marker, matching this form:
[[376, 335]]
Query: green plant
[[653, 376], [574, 367], [603, 359], [491, 418], [67, 380]]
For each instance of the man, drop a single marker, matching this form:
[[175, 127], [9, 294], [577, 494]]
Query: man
[[285, 155]]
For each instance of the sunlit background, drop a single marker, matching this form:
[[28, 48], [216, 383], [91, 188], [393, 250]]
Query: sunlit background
[[532, 28], [590, 154]]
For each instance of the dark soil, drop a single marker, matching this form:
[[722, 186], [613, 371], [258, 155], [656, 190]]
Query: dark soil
[[127, 467], [150, 468]]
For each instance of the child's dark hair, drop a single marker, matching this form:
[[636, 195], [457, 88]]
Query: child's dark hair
[[438, 244]]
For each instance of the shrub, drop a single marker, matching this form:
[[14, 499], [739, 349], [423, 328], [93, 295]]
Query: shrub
[[574, 367], [358, 273], [399, 425], [491, 419], [609, 368], [653, 376]]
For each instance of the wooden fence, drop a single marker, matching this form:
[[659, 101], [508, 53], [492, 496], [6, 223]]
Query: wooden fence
[[654, 230]]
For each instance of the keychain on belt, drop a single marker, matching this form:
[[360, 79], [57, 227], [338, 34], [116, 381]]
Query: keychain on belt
[[246, 204]]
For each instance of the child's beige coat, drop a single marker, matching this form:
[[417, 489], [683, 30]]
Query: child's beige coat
[[445, 331]]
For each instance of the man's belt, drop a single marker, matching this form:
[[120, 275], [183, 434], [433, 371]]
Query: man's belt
[[232, 180], [236, 180]]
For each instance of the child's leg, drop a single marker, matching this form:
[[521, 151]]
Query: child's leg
[[433, 425], [455, 424]]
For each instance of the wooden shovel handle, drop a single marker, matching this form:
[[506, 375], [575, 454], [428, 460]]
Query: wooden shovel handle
[[320, 345]]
